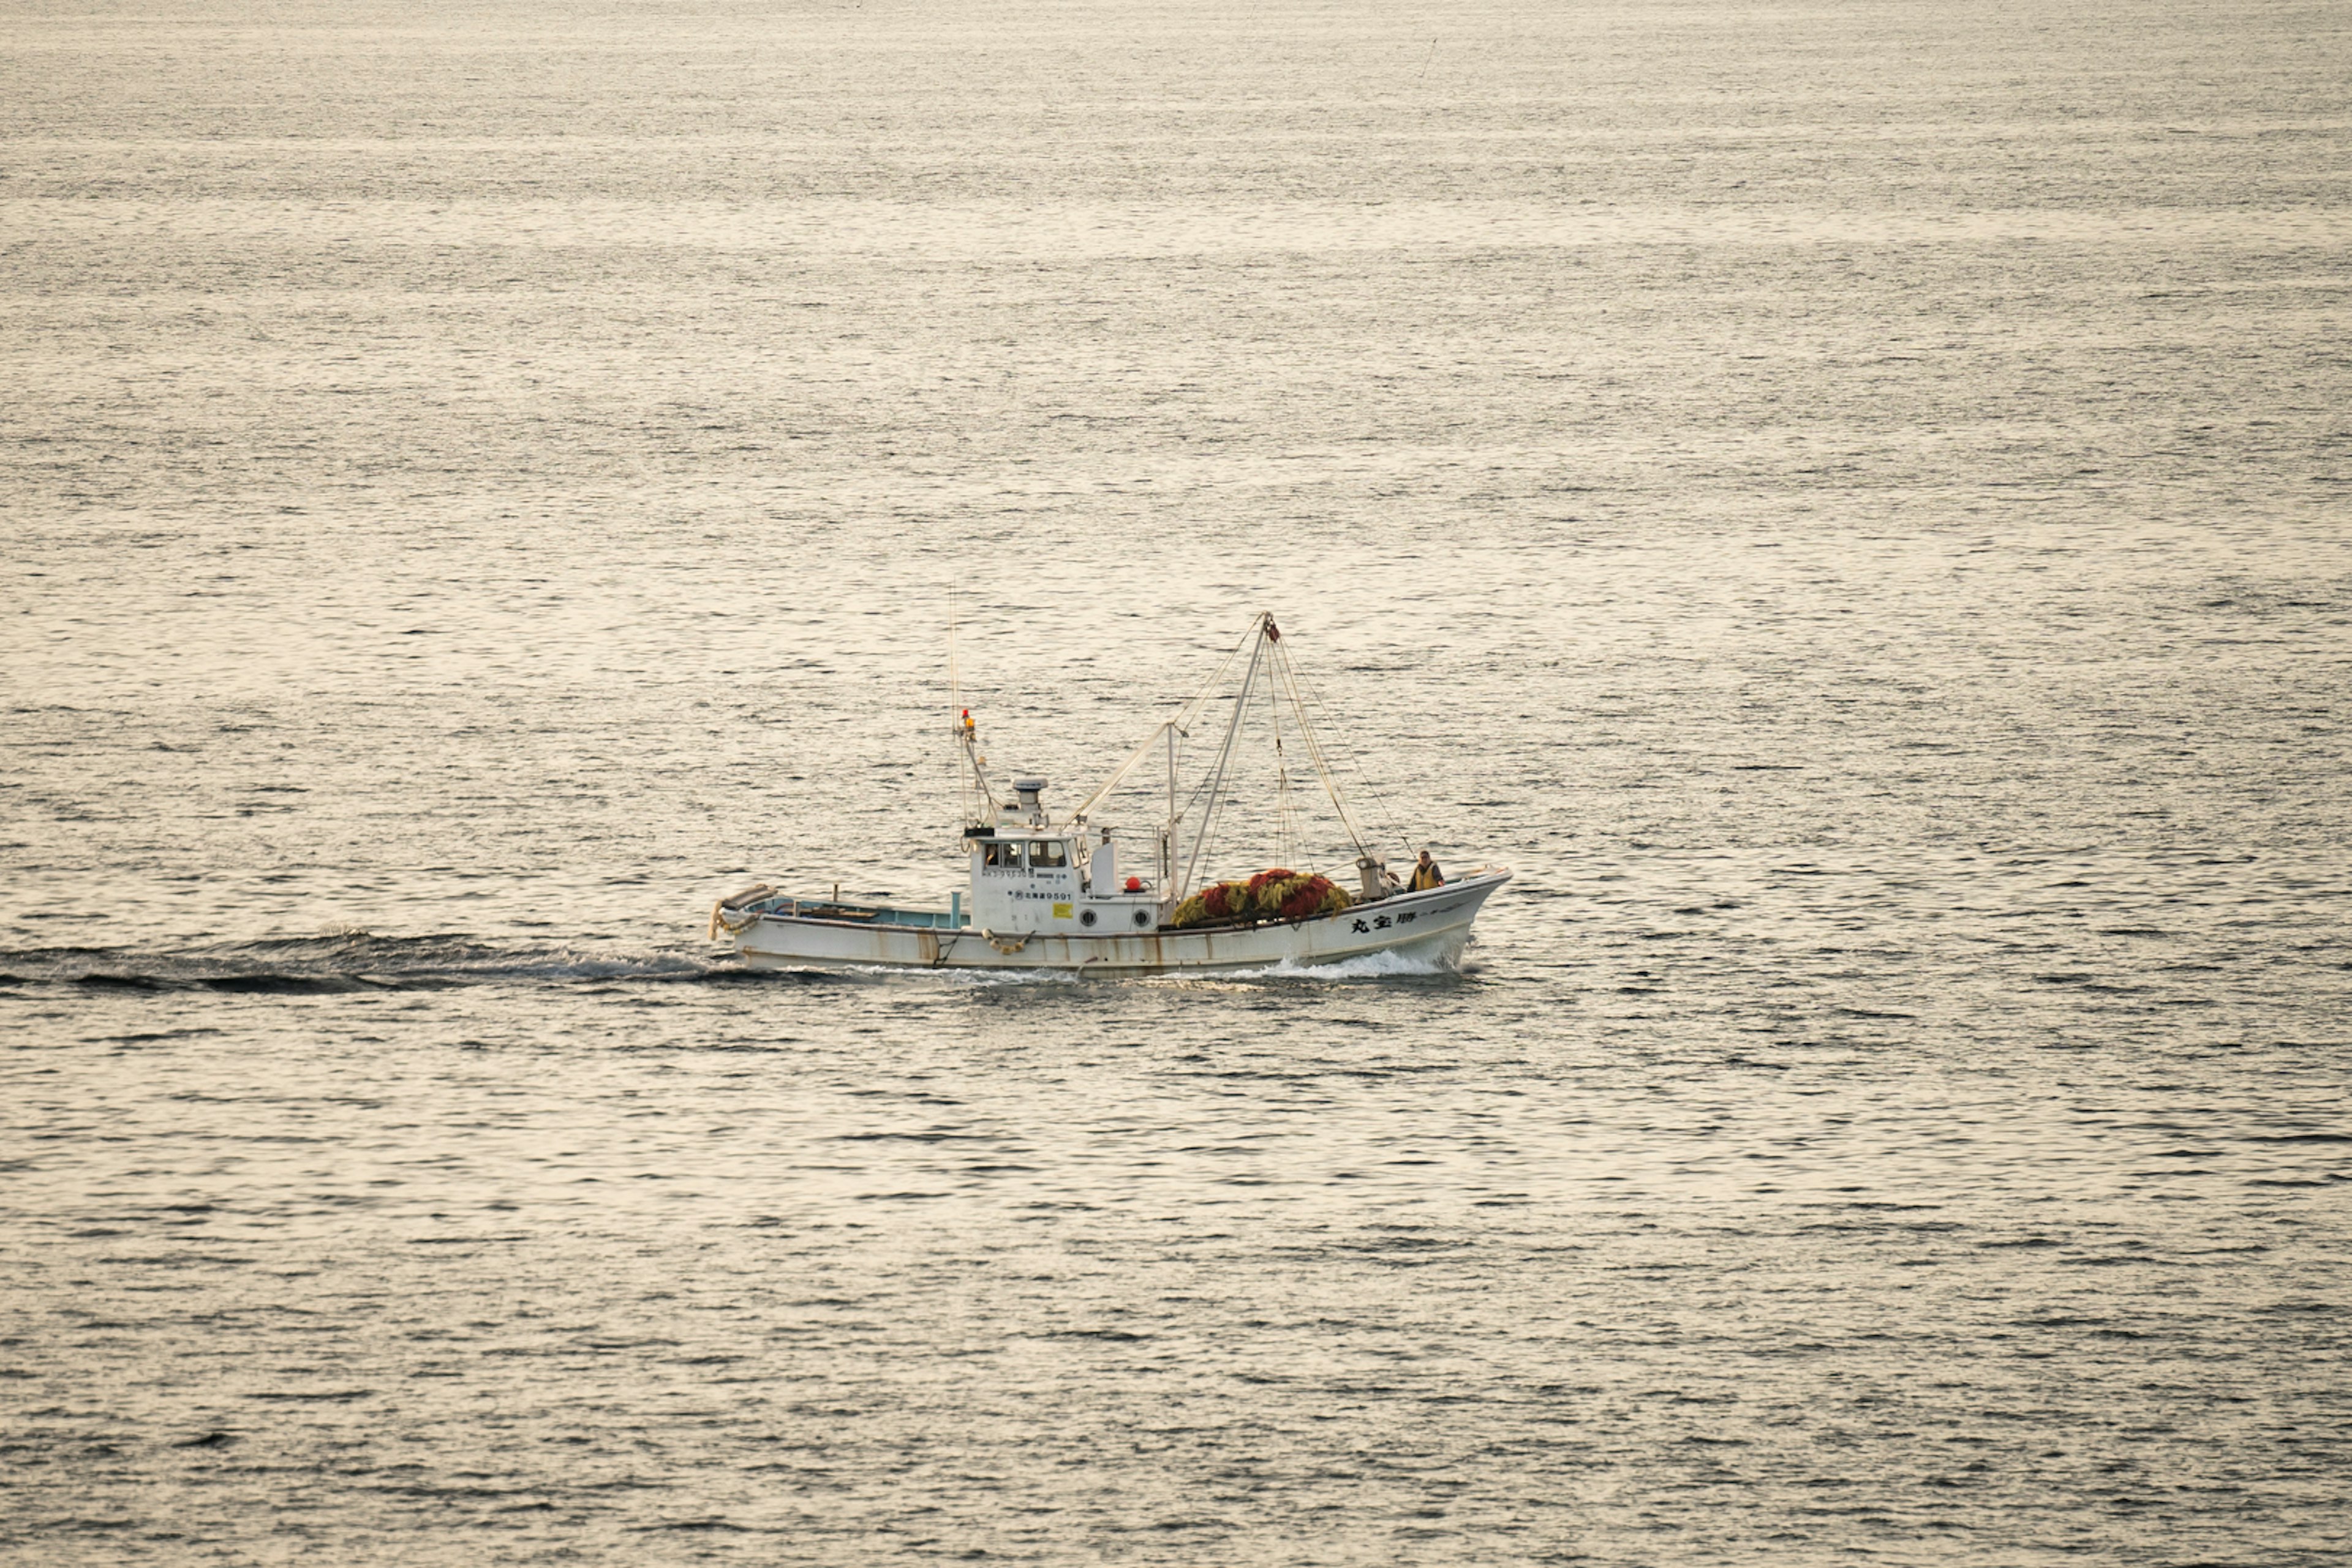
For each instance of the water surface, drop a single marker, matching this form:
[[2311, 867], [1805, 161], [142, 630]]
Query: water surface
[[1850, 502]]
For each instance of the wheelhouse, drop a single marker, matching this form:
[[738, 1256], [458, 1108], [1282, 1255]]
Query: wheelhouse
[[1029, 875]]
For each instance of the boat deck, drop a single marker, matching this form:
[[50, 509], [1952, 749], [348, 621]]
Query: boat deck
[[790, 907]]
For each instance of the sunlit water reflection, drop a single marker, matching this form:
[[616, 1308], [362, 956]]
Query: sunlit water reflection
[[1850, 506]]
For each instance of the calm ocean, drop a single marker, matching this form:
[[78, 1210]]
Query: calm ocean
[[1852, 503]]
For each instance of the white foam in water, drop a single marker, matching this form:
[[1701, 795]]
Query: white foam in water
[[1370, 966], [980, 977], [565, 964]]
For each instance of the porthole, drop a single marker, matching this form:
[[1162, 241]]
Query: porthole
[[1142, 918], [1086, 917]]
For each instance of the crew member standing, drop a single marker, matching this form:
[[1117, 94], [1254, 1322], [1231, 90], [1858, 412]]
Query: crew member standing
[[1425, 873]]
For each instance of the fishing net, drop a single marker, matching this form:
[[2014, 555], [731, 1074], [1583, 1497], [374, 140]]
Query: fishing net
[[1271, 895]]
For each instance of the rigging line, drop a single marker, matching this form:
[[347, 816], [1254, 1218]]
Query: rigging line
[[1288, 818], [1103, 790], [1216, 677], [1364, 834], [1205, 787], [1205, 846], [1225, 753], [1199, 701], [1204, 842], [1389, 820], [1280, 859], [1185, 716], [1213, 813], [1286, 828], [1323, 770], [1240, 700], [1284, 846], [1288, 677]]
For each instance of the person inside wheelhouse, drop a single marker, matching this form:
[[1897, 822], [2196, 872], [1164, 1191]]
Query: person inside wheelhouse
[[1045, 853]]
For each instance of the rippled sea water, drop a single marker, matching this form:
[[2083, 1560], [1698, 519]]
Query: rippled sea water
[[1851, 503]]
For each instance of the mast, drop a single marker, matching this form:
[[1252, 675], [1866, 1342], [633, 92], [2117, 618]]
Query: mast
[[1266, 653]]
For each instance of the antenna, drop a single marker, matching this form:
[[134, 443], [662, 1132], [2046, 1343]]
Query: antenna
[[971, 775], [955, 692], [955, 677]]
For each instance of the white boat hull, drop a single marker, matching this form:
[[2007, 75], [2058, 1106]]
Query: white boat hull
[[1429, 927]]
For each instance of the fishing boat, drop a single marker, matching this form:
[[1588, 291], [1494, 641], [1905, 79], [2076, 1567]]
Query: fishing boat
[[1074, 895]]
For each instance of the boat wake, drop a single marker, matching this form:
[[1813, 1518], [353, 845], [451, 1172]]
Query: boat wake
[[353, 962]]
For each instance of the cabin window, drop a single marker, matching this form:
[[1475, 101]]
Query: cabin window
[[1047, 852], [995, 852]]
